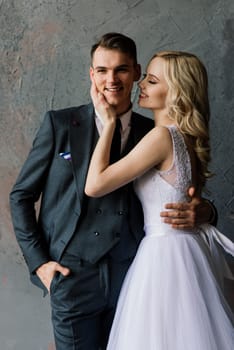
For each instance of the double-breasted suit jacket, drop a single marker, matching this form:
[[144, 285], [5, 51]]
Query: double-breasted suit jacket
[[59, 184]]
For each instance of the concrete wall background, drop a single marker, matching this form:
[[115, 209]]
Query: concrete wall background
[[44, 64]]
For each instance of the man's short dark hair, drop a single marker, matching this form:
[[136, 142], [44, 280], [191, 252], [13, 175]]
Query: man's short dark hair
[[116, 41]]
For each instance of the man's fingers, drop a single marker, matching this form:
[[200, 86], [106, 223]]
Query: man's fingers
[[179, 214], [179, 221], [178, 206], [63, 270], [47, 271], [175, 214], [182, 215]]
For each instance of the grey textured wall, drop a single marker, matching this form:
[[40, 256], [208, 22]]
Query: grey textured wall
[[44, 64]]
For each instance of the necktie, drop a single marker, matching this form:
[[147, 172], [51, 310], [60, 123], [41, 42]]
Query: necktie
[[116, 143]]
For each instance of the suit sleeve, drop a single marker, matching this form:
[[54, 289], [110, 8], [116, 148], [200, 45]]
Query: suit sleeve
[[27, 191]]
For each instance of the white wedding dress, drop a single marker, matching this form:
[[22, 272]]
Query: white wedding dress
[[172, 295]]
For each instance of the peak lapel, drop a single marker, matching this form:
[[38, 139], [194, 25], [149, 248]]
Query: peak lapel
[[81, 139]]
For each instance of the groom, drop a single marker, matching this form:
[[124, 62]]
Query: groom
[[80, 248]]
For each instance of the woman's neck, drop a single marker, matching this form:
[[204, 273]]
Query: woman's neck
[[162, 119]]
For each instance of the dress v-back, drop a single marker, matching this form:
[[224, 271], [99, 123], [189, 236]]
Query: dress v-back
[[172, 297]]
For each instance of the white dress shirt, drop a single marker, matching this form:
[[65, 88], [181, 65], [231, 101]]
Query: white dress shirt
[[125, 122]]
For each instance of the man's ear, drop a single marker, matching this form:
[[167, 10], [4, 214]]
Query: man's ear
[[137, 72], [91, 73]]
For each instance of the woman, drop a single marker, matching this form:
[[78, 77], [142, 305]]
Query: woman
[[171, 298]]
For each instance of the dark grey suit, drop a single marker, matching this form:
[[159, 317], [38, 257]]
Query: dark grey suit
[[95, 238]]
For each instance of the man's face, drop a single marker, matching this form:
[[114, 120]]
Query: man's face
[[114, 73]]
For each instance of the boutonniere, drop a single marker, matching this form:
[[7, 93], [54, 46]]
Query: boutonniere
[[65, 155]]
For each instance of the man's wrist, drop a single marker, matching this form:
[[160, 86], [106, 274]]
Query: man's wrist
[[213, 212]]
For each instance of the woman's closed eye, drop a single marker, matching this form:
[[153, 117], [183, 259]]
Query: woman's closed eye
[[149, 79]]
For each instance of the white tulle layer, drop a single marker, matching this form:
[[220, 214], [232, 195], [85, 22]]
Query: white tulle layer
[[171, 299]]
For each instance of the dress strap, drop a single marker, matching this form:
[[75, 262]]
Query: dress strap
[[181, 162]]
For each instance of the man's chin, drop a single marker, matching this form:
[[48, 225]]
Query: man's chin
[[113, 101]]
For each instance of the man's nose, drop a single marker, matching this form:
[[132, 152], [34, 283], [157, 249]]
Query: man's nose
[[112, 76]]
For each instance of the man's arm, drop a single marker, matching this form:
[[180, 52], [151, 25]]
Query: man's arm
[[187, 215], [25, 193]]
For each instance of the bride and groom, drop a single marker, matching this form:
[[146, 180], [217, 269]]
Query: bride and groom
[[91, 222]]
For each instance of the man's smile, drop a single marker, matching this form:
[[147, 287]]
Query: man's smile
[[114, 89]]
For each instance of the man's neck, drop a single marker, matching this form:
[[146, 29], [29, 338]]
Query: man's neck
[[125, 110]]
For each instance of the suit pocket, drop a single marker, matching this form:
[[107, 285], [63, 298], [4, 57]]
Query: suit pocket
[[63, 162], [54, 282]]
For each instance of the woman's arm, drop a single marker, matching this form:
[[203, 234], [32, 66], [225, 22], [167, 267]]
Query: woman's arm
[[154, 149], [178, 215]]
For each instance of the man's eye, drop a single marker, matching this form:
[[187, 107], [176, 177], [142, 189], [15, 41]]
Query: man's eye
[[122, 70], [101, 71]]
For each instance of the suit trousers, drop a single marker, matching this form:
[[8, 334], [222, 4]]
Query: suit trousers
[[83, 304]]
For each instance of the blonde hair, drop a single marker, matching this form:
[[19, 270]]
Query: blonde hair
[[188, 101]]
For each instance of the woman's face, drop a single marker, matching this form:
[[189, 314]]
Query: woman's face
[[153, 86]]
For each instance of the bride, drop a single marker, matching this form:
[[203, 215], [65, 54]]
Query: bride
[[172, 296]]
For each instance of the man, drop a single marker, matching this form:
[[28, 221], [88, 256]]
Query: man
[[80, 248]]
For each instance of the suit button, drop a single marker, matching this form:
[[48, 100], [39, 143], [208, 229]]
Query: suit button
[[99, 211], [120, 212], [96, 233], [75, 123]]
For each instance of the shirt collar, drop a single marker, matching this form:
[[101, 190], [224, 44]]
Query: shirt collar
[[125, 118]]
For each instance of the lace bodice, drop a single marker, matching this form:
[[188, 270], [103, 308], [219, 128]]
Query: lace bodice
[[156, 188]]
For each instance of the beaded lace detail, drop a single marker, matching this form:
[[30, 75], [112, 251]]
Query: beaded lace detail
[[156, 188], [180, 174]]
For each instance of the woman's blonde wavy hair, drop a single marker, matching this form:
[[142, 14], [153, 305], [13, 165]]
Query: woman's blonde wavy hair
[[188, 101]]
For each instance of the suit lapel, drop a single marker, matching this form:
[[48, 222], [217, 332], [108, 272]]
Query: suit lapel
[[81, 139], [136, 129], [82, 129]]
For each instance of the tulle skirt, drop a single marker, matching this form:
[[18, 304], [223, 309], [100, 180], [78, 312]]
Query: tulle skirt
[[171, 299]]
